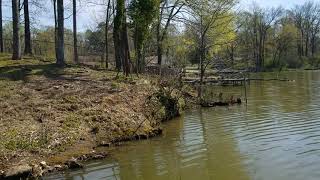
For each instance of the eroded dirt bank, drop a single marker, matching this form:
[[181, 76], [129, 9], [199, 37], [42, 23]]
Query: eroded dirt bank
[[51, 118]]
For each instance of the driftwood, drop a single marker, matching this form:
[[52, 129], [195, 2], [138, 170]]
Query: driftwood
[[271, 79], [231, 81], [220, 103]]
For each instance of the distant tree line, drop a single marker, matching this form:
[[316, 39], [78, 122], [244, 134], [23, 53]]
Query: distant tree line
[[178, 32], [274, 38]]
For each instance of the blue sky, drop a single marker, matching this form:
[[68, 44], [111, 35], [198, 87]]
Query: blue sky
[[88, 16]]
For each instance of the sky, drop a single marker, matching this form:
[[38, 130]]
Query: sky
[[273, 3], [89, 15]]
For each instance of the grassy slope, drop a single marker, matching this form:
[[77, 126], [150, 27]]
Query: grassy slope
[[48, 112]]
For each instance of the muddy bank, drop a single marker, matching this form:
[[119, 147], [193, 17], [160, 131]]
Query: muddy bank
[[56, 116]]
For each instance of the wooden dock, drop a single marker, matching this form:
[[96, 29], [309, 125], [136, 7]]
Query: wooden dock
[[216, 77], [214, 80]]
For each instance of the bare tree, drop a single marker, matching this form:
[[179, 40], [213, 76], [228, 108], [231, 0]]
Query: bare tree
[[257, 24], [75, 39], [206, 17], [282, 39], [15, 25], [120, 36], [54, 2], [307, 21], [60, 34], [117, 34], [1, 29], [296, 14], [168, 12], [110, 13], [107, 32], [27, 32]]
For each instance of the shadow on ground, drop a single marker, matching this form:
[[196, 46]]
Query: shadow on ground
[[21, 72]]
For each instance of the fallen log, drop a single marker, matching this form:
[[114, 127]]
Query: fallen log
[[220, 103], [271, 79]]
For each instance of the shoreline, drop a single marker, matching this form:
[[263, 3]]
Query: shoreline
[[64, 121]]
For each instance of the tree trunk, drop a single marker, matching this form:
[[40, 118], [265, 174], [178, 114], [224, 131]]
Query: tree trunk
[[60, 34], [161, 36], [139, 44], [159, 52], [159, 46], [117, 34], [307, 45], [299, 46], [256, 46], [1, 29], [55, 27], [107, 34], [27, 33], [135, 38], [313, 45], [75, 38], [231, 50], [125, 45], [302, 42], [140, 59], [116, 41], [202, 56], [15, 29]]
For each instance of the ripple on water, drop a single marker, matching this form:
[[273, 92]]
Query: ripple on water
[[276, 136]]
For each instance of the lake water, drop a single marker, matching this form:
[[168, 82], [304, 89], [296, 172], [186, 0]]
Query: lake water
[[275, 137]]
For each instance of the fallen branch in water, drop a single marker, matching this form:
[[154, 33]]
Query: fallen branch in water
[[272, 79], [220, 103]]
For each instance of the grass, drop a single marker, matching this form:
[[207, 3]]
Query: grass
[[36, 93], [14, 140], [51, 110], [20, 69], [72, 121]]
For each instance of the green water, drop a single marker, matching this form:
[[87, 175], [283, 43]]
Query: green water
[[275, 137]]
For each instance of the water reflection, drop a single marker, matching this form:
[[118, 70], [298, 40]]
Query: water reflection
[[191, 148], [277, 136]]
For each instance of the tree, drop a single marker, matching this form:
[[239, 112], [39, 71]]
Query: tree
[[94, 43], [142, 13], [107, 32], [210, 20], [75, 39], [15, 29], [307, 20], [266, 36], [296, 15], [60, 33], [120, 36], [109, 17], [168, 12], [255, 27], [117, 32], [27, 33], [54, 2], [1, 29], [284, 35]]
